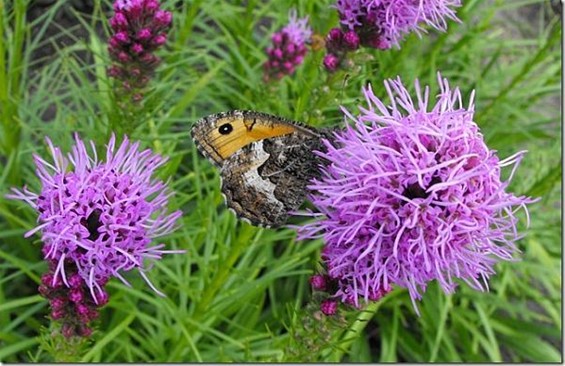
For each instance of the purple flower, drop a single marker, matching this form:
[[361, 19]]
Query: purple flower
[[139, 30], [289, 48], [97, 218], [383, 23], [410, 194]]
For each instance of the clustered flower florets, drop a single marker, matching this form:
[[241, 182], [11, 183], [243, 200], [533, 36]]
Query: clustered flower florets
[[381, 24], [411, 195], [140, 28], [72, 305], [97, 218], [289, 48]]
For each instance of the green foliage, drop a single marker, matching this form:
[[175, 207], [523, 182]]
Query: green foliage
[[241, 293]]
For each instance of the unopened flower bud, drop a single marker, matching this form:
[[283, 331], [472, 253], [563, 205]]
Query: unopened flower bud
[[331, 62], [351, 40], [318, 282], [328, 307]]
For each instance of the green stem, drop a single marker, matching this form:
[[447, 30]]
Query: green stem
[[10, 82], [247, 232], [355, 331]]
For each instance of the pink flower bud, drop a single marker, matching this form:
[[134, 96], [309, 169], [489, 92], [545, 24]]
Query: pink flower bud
[[289, 67], [290, 48], [150, 59], [122, 37], [113, 43], [57, 314], [318, 282], [335, 35], [159, 40], [68, 330], [76, 295], [378, 42], [102, 298], [278, 53], [58, 303], [119, 22], [75, 280], [277, 38], [351, 40], [82, 309], [151, 6], [44, 290], [85, 331], [163, 18], [328, 307], [124, 57], [144, 34], [137, 48], [47, 279], [331, 62]]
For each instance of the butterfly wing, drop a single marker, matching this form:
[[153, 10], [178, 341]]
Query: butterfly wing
[[265, 162], [221, 135], [266, 180], [247, 192]]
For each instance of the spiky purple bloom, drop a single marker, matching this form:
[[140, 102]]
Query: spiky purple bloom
[[411, 194], [97, 218], [383, 23], [139, 29], [289, 48]]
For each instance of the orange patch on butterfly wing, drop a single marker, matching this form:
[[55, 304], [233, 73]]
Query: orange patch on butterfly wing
[[227, 145]]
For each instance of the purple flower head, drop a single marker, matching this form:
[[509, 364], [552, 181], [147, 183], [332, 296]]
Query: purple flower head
[[140, 28], [297, 29], [97, 218], [289, 48], [410, 194], [386, 22]]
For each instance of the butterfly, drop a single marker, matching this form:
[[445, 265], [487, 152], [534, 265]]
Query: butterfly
[[265, 162]]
